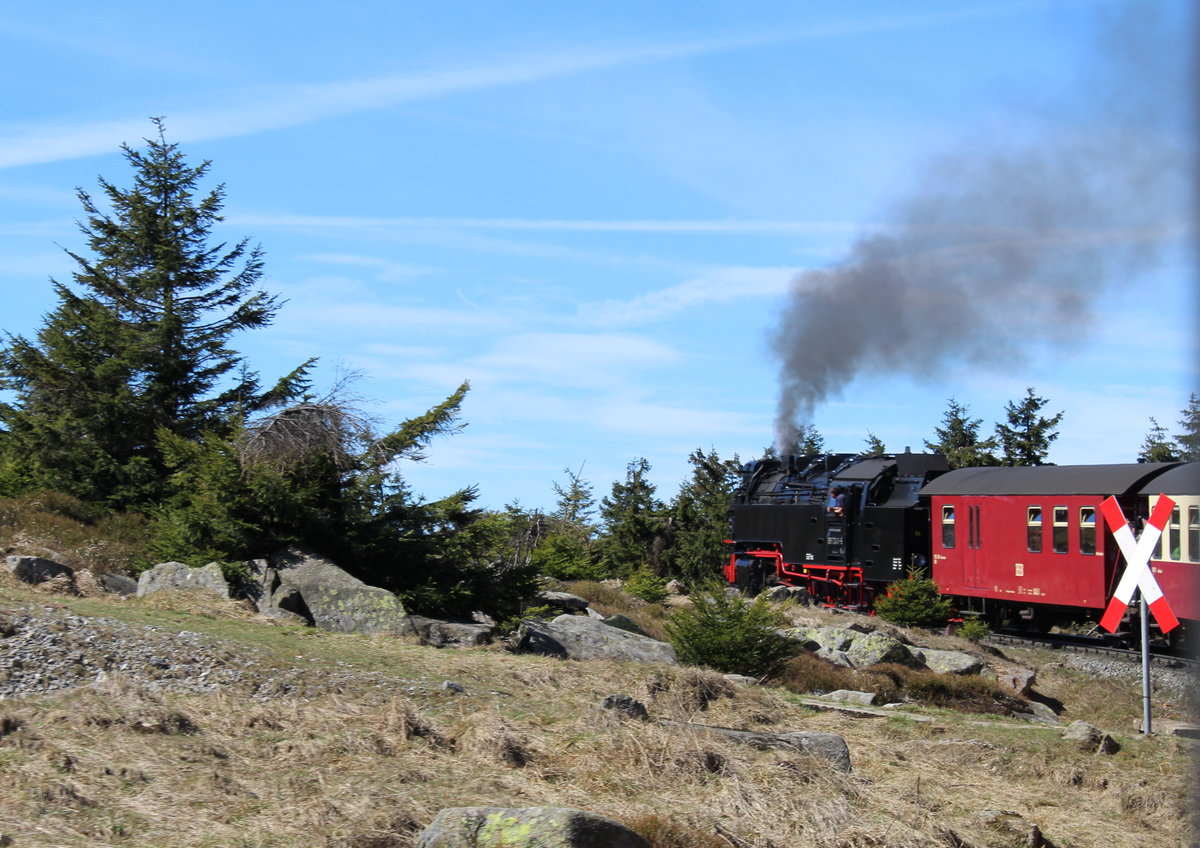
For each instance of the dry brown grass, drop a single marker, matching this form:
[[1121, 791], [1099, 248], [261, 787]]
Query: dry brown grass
[[61, 528], [125, 765]]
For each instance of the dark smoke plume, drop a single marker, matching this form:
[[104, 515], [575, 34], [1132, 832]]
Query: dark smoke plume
[[1007, 244]]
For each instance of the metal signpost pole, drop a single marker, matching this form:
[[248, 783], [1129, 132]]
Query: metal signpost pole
[[1144, 609]]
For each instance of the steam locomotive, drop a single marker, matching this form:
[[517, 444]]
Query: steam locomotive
[[1026, 545]]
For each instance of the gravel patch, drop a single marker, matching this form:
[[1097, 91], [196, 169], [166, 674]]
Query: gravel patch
[[1179, 684], [46, 648]]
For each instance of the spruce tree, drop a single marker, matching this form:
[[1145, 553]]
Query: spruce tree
[[1157, 446], [958, 439], [1026, 438], [875, 445], [632, 519], [1189, 440], [566, 550], [700, 512], [138, 347]]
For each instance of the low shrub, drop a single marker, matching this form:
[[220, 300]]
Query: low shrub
[[974, 630], [725, 632], [914, 602], [647, 585]]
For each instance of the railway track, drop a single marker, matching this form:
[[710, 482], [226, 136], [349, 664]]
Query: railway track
[[1159, 657]]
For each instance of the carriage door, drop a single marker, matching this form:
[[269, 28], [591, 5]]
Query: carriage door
[[974, 573]]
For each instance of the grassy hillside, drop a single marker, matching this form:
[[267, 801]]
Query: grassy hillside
[[358, 742]]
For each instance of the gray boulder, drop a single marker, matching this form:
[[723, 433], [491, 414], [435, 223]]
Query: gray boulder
[[816, 743], [833, 638], [1037, 712], [563, 601], [449, 634], [850, 696], [334, 599], [948, 662], [1090, 738], [877, 625], [813, 743], [839, 658], [118, 584], [873, 648], [545, 827], [623, 622], [178, 575], [574, 637], [31, 569], [1018, 680], [802, 637]]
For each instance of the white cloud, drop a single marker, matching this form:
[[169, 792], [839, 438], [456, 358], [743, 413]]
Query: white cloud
[[716, 286]]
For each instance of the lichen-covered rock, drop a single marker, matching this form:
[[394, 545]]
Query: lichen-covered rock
[[802, 637], [833, 638], [31, 569], [336, 600], [574, 637], [178, 575], [948, 662], [872, 648], [528, 827]]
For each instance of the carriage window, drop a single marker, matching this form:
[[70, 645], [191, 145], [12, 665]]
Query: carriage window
[[1034, 529], [1060, 530], [1194, 533], [1087, 529], [1173, 535], [947, 527]]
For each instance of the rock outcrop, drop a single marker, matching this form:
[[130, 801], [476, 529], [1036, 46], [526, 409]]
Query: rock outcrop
[[332, 598], [576, 637], [178, 575], [814, 743], [31, 569], [449, 634], [502, 827]]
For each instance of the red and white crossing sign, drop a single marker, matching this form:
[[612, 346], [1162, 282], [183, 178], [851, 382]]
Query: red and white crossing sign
[[1137, 569]]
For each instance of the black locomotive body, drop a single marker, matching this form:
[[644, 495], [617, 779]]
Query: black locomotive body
[[836, 524]]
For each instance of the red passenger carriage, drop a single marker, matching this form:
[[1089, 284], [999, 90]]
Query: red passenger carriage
[[1032, 541]]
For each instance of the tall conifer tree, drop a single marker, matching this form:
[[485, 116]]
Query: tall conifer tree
[[139, 345], [1026, 438], [701, 515], [958, 440]]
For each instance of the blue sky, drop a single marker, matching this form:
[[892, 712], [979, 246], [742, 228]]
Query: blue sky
[[600, 213]]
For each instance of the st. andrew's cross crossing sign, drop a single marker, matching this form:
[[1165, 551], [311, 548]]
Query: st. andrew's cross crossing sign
[[1137, 568]]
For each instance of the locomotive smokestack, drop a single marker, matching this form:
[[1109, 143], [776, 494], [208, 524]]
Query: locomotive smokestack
[[1005, 243]]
